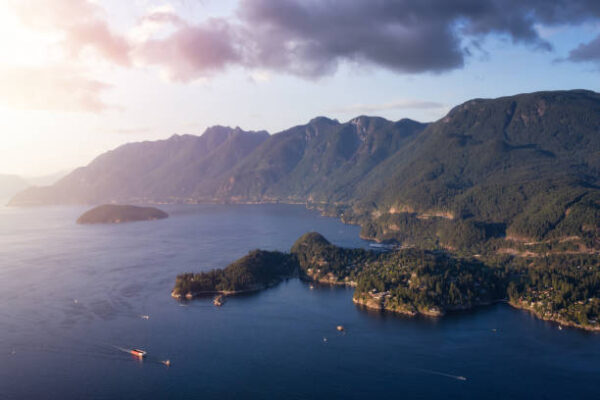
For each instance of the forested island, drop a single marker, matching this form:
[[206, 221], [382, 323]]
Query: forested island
[[116, 214], [419, 282]]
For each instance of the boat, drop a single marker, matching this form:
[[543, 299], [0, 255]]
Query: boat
[[166, 362], [219, 300], [340, 328], [138, 353]]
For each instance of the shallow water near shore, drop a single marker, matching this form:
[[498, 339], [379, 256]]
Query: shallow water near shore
[[72, 295]]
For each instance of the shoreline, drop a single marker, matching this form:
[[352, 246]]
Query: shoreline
[[224, 293], [378, 303], [368, 304], [559, 321]]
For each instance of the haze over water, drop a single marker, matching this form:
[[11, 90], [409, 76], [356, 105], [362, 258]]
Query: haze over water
[[71, 295]]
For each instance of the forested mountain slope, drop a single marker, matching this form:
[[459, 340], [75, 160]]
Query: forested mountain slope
[[525, 166]]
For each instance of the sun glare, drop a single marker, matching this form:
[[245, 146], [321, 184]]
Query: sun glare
[[22, 46]]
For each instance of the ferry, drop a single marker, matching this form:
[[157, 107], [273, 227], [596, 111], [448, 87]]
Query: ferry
[[138, 353]]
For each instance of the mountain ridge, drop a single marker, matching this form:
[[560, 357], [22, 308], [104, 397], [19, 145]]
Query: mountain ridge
[[526, 165]]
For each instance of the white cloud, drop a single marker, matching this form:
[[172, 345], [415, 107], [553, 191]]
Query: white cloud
[[401, 104]]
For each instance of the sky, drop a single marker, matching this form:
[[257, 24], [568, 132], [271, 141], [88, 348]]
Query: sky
[[80, 77]]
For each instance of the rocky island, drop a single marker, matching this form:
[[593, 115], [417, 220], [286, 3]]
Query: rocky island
[[116, 214]]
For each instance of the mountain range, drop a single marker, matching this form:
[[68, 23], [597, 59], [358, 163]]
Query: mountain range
[[10, 185], [524, 166]]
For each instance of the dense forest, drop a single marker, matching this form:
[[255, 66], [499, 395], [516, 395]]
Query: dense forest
[[564, 288], [561, 287], [116, 214], [257, 270]]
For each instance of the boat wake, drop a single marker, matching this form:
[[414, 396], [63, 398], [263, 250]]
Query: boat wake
[[432, 372], [143, 356]]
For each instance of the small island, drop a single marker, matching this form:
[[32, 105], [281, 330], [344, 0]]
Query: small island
[[116, 214]]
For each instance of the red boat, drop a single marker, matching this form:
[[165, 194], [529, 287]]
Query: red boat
[[138, 353]]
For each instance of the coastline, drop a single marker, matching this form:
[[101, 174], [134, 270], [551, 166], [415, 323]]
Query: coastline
[[224, 293], [378, 302], [360, 300], [560, 321]]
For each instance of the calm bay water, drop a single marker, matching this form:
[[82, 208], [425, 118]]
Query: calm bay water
[[71, 296]]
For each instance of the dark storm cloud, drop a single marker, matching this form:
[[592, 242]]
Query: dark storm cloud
[[587, 52], [310, 37]]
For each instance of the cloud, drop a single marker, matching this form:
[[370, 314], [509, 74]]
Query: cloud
[[82, 23], [586, 52], [51, 88], [395, 105], [192, 51], [311, 38]]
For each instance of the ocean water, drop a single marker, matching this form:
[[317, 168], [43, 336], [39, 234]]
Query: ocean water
[[72, 297]]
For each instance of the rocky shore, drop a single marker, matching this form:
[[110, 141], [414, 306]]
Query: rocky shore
[[380, 302]]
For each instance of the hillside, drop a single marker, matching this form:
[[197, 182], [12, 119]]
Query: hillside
[[227, 164], [173, 170], [323, 160], [524, 167]]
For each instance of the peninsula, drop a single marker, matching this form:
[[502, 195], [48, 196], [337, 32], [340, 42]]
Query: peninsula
[[416, 282], [258, 270]]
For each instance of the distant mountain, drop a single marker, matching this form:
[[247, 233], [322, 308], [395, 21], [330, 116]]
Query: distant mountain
[[11, 185], [176, 169], [47, 180], [231, 164], [525, 166]]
